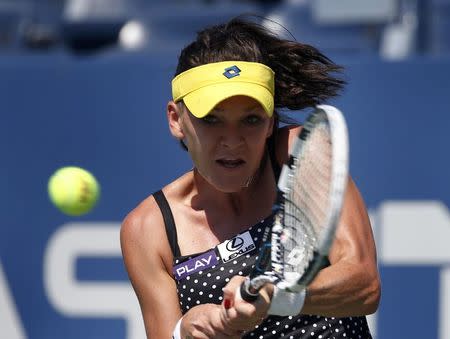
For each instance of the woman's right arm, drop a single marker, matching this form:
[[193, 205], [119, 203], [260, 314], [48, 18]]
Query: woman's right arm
[[148, 260], [147, 257]]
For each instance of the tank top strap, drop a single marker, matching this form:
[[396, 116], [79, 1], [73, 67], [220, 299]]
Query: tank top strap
[[169, 222]]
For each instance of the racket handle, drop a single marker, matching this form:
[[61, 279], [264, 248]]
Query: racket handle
[[247, 292]]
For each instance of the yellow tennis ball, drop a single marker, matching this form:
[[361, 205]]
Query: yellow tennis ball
[[73, 190]]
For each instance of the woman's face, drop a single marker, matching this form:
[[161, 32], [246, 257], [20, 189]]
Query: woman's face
[[227, 145]]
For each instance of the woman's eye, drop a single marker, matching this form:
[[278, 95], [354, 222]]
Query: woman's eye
[[253, 119], [210, 119]]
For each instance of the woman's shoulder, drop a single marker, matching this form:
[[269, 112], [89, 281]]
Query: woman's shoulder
[[285, 139], [145, 247], [146, 218], [289, 131], [142, 222]]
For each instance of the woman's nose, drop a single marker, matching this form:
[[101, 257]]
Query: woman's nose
[[232, 137]]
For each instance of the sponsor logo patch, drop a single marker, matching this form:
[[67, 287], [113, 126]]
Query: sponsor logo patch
[[234, 248], [196, 264]]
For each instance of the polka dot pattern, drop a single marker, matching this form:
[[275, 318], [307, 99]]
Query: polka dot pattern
[[206, 287], [311, 326]]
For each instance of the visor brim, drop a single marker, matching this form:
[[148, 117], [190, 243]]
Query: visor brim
[[201, 101]]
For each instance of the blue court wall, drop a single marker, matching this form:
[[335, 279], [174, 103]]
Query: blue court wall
[[63, 277]]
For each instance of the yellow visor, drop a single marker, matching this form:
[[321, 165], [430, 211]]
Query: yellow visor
[[202, 88]]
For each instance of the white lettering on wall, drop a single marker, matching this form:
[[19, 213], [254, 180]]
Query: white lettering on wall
[[418, 233], [84, 298], [10, 324]]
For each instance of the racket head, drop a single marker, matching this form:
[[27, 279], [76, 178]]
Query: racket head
[[313, 185]]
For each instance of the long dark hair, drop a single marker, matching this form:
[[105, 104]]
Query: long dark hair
[[304, 77]]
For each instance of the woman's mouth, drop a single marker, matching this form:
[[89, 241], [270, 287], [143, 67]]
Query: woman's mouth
[[230, 163]]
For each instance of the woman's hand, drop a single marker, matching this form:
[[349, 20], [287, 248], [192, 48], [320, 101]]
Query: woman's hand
[[240, 315], [207, 321], [229, 320]]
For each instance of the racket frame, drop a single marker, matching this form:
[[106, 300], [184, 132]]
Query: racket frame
[[273, 271]]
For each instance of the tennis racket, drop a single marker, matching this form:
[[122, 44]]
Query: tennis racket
[[310, 194]]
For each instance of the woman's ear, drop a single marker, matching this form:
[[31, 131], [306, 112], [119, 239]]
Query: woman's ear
[[174, 118]]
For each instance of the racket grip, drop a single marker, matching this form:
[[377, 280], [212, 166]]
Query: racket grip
[[246, 292]]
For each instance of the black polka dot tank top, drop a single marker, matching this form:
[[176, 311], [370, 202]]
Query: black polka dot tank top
[[200, 278]]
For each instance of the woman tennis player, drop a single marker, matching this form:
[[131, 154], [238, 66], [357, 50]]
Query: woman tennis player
[[188, 247]]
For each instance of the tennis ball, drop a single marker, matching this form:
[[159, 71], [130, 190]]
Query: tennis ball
[[73, 190]]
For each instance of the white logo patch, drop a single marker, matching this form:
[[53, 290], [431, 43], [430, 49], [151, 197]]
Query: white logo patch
[[234, 248]]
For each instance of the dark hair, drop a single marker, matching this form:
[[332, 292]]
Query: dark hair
[[304, 77]]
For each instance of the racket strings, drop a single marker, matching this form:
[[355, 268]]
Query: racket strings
[[299, 238], [313, 179], [293, 218], [306, 204]]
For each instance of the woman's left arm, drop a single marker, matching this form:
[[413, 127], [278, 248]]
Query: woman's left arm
[[350, 286]]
